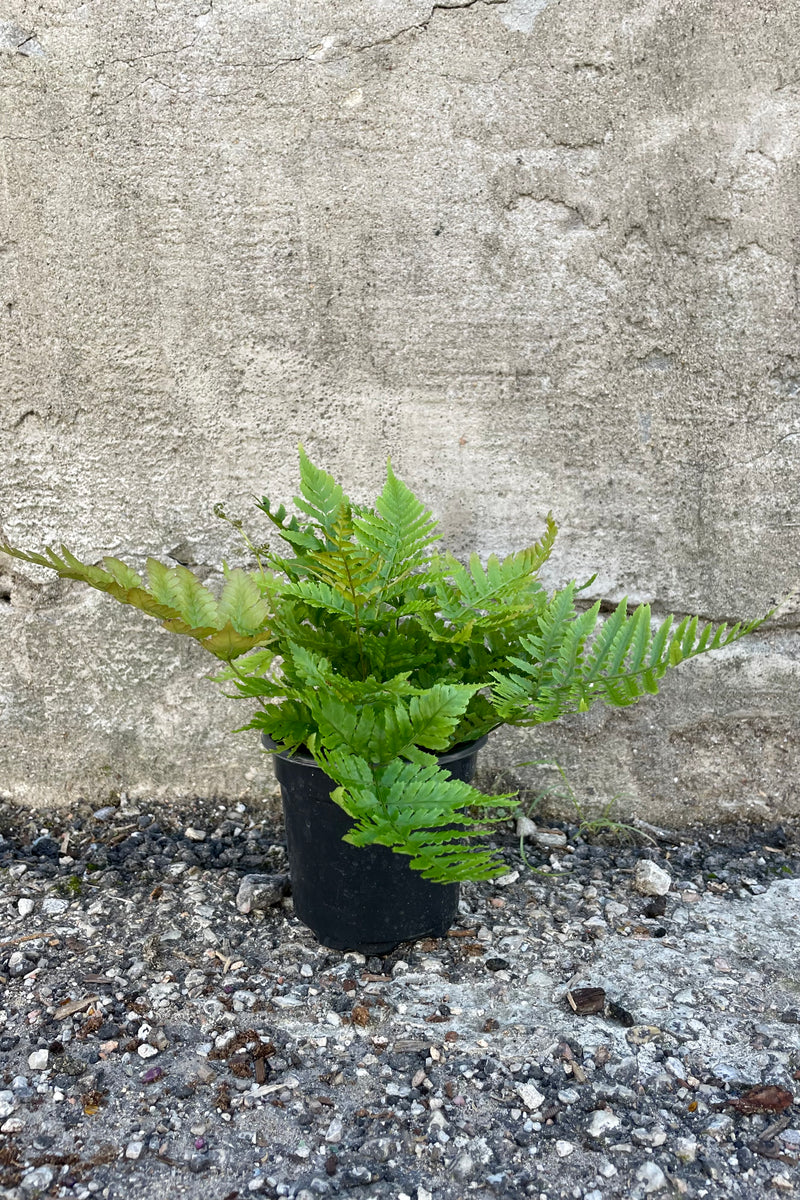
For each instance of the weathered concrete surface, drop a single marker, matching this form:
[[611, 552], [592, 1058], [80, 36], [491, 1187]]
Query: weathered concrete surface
[[543, 253]]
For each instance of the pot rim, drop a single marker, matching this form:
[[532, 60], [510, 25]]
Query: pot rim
[[462, 750]]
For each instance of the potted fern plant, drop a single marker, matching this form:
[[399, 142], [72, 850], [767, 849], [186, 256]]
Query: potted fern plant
[[377, 665]]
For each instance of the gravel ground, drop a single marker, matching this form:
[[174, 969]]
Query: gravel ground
[[169, 1029]]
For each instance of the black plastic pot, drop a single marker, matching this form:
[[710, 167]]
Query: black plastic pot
[[357, 898]]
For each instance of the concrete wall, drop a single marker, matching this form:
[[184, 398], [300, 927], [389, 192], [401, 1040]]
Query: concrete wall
[[544, 253]]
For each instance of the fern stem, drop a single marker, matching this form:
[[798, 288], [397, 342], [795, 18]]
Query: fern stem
[[357, 616], [243, 679]]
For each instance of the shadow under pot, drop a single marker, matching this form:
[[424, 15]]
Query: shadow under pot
[[357, 898]]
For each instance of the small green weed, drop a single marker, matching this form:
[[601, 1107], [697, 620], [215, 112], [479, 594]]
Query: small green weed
[[601, 824]]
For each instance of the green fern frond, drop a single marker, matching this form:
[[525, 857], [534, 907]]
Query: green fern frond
[[322, 498], [439, 630], [317, 594], [313, 669], [436, 713], [419, 811], [344, 566], [570, 661], [289, 725], [291, 531], [395, 649], [479, 719], [477, 589], [624, 662], [241, 602], [386, 725], [399, 532]]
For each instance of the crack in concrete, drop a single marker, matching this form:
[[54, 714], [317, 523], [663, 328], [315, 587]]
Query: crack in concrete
[[734, 464], [424, 24], [349, 50], [307, 56], [17, 41]]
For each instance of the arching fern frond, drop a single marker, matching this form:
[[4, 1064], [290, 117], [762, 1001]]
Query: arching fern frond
[[464, 593], [175, 596], [416, 809], [624, 661]]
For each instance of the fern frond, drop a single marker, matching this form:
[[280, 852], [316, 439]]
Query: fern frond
[[241, 602], [399, 532], [514, 691], [317, 594], [624, 662], [418, 810], [393, 650], [436, 713], [569, 663], [252, 686], [385, 725], [322, 498], [344, 566], [290, 724], [175, 596], [313, 669], [68, 566], [478, 588], [439, 630], [291, 531], [479, 719]]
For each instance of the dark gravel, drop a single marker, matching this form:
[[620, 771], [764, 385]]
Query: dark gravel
[[157, 1039]]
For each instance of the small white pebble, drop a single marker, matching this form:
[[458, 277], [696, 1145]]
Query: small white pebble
[[530, 1096], [603, 1121], [146, 1050], [650, 879], [653, 1178], [37, 1061], [507, 879], [25, 906], [335, 1131], [564, 1149]]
